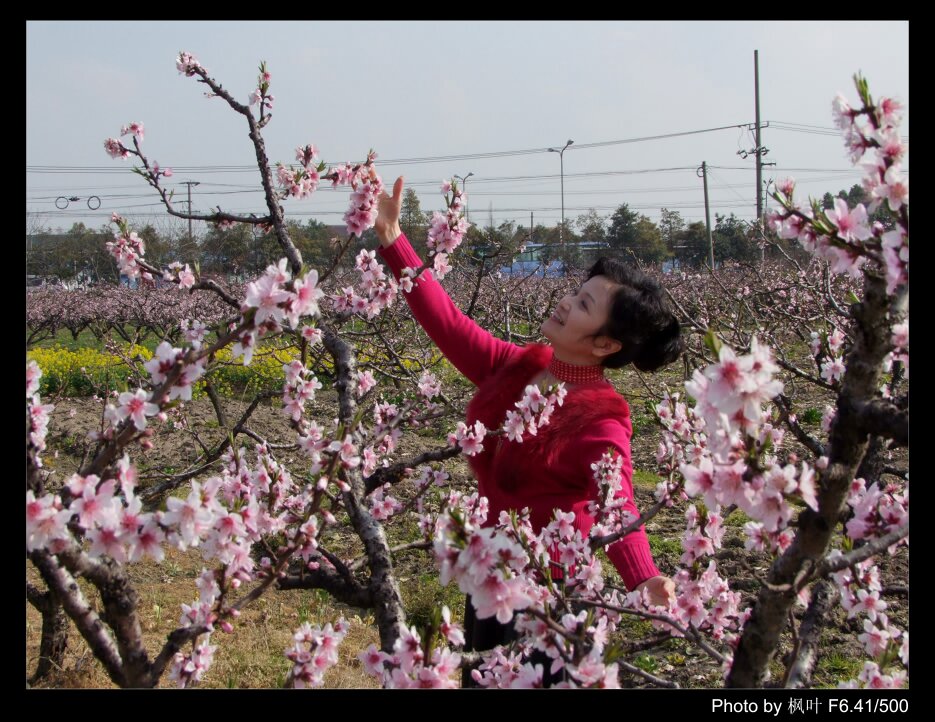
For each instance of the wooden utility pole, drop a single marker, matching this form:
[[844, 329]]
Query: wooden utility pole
[[191, 239], [759, 149], [707, 213]]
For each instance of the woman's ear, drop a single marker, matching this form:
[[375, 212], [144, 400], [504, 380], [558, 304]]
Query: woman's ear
[[605, 346]]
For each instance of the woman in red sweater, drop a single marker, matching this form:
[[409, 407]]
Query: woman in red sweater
[[618, 316]]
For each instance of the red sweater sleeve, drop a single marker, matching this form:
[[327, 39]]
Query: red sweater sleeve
[[631, 555], [474, 352]]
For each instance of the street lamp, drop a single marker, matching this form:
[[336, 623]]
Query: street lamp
[[561, 160], [463, 180]]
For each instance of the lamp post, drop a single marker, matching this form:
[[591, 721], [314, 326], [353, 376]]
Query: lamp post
[[463, 180], [561, 160]]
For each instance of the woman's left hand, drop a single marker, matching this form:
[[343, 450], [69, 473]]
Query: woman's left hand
[[661, 590]]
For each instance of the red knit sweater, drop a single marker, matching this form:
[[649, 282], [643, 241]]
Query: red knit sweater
[[551, 470]]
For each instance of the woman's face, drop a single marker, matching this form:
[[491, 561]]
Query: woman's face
[[578, 317]]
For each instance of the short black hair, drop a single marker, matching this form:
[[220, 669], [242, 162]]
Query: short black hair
[[639, 318]]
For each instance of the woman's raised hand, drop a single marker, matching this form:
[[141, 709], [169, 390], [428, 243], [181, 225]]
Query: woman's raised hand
[[661, 590], [387, 223]]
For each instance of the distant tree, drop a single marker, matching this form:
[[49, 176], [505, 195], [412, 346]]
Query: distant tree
[[649, 246], [692, 244], [670, 224], [232, 251], [733, 240], [414, 222], [622, 232], [593, 232], [77, 255]]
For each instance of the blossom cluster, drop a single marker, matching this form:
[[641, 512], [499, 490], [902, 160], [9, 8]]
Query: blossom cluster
[[860, 587], [165, 359], [845, 237], [533, 410], [315, 650], [411, 666], [128, 250], [301, 182], [377, 290], [261, 94], [272, 300]]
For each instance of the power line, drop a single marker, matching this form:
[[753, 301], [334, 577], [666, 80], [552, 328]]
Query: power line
[[385, 162]]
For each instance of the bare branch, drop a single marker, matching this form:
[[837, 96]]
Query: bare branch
[[831, 565]]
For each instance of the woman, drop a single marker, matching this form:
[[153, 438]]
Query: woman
[[618, 316]]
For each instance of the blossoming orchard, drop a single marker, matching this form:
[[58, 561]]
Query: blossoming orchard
[[810, 498]]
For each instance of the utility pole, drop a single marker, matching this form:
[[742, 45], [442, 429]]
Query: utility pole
[[759, 146], [759, 151], [707, 213], [191, 239]]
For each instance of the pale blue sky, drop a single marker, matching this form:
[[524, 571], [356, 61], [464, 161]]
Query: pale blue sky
[[424, 90]]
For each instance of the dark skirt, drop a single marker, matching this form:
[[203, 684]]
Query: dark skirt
[[483, 634]]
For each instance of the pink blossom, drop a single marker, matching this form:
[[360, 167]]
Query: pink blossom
[[869, 603], [832, 369], [841, 112], [265, 295], [135, 128], [470, 439], [188, 669], [365, 382], [307, 295], [889, 111], [347, 451], [147, 541], [116, 149], [429, 386], [514, 426], [899, 338], [106, 540], [186, 64], [373, 660], [312, 335], [835, 341], [162, 362], [451, 632], [45, 521], [806, 486], [894, 189], [137, 406], [441, 266], [245, 346], [785, 186], [186, 277], [851, 224], [874, 639], [896, 256]]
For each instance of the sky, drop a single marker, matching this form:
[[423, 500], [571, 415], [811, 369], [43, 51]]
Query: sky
[[436, 99]]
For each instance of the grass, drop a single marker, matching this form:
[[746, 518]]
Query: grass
[[645, 479], [660, 546], [833, 666]]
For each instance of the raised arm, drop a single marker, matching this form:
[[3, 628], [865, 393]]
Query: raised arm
[[474, 352]]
